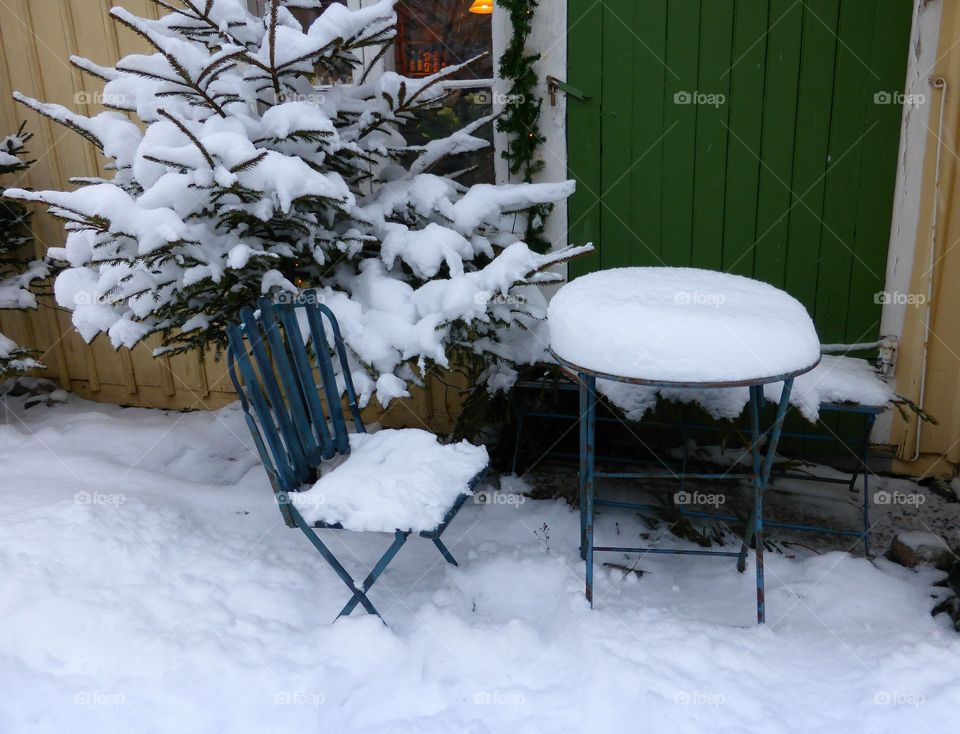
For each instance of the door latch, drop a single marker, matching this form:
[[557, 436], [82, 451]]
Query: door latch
[[555, 85]]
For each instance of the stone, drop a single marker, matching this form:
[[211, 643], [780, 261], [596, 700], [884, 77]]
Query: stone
[[915, 548]]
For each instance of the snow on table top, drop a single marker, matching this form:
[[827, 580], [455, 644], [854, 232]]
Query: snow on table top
[[395, 479], [680, 325]]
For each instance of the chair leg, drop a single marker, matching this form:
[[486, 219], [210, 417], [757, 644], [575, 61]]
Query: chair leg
[[360, 594], [445, 552], [334, 563]]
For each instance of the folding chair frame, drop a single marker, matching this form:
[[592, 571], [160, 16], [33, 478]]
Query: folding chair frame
[[297, 422]]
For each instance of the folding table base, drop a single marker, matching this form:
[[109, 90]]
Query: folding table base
[[760, 475]]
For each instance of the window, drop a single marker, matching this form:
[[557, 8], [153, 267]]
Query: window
[[433, 35]]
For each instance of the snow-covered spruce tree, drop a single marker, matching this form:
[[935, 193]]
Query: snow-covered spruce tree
[[17, 269], [249, 177]]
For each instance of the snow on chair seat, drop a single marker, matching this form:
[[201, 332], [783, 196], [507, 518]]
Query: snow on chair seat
[[291, 390], [392, 480], [840, 380], [837, 380]]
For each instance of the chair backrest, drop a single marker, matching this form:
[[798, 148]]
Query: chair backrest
[[281, 363]]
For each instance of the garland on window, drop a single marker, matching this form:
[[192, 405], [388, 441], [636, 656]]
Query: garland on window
[[520, 119]]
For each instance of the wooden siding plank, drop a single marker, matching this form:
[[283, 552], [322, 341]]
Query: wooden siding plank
[[843, 178], [616, 129], [746, 74], [648, 131], [680, 117], [779, 126], [584, 44], [716, 50], [815, 104], [891, 40]]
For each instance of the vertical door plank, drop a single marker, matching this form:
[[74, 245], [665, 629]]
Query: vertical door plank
[[843, 178], [746, 74], [779, 126], [879, 169], [811, 148], [585, 72], [713, 108], [616, 195], [680, 118], [648, 73]]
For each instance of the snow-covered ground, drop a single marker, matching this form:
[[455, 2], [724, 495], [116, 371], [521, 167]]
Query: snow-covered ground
[[148, 584]]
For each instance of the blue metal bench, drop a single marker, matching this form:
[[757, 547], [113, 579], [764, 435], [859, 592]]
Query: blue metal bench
[[283, 371]]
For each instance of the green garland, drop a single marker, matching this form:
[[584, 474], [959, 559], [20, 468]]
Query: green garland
[[520, 119]]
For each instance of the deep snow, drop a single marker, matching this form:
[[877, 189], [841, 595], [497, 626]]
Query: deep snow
[[149, 585]]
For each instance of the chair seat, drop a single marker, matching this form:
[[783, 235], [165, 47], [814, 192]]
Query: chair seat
[[394, 479]]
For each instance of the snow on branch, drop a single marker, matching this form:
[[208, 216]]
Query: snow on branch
[[245, 177]]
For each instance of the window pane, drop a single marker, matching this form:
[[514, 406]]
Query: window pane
[[460, 108], [435, 34]]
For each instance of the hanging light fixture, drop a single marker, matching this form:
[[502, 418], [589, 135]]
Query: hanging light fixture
[[482, 7]]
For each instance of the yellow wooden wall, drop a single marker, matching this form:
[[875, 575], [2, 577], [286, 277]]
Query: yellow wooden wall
[[36, 39], [940, 442]]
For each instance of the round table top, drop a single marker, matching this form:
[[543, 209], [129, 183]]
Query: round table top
[[681, 327]]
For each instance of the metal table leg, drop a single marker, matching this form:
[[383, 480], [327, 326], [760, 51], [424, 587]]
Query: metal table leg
[[864, 463], [762, 467], [588, 417]]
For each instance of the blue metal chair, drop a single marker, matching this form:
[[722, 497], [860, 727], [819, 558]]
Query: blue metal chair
[[283, 371]]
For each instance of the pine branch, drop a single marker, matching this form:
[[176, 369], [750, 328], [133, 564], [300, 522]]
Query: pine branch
[[60, 115], [193, 138], [134, 24]]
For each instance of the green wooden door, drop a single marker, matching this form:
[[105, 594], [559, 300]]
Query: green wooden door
[[757, 137]]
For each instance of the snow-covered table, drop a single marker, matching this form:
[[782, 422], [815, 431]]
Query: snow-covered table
[[680, 328]]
